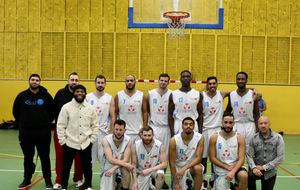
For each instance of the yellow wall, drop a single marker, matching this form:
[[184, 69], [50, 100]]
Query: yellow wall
[[282, 101], [55, 37]]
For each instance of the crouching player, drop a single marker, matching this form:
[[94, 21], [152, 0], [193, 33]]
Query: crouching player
[[149, 160], [117, 148], [227, 152]]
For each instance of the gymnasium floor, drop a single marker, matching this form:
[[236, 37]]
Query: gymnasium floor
[[11, 165]]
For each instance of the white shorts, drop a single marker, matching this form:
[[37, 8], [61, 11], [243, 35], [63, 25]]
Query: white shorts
[[182, 181], [163, 134], [108, 183], [178, 126], [207, 133], [144, 182], [97, 148], [247, 130], [222, 184]]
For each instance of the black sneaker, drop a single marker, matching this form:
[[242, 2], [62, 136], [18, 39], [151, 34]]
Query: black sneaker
[[48, 182], [211, 184], [165, 186], [82, 186], [189, 183], [25, 184]]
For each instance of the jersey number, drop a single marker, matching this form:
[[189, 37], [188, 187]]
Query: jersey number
[[180, 99]]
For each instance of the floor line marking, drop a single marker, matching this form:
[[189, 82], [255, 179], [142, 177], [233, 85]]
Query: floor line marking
[[288, 172]]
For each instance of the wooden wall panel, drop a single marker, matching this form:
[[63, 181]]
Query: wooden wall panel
[[152, 56], [46, 15], [295, 66], [284, 18], [109, 14], [171, 59], [295, 17], [272, 59], [82, 53], [260, 17], [71, 53], [2, 68], [223, 68], [96, 63], [58, 55], [34, 15], [22, 55], [47, 55], [96, 15], [59, 15], [108, 54], [283, 60], [272, 18], [234, 12], [10, 55], [121, 16], [22, 15], [258, 59], [247, 17], [34, 53], [71, 15], [133, 50], [233, 61], [203, 56], [2, 16], [84, 15], [10, 16]]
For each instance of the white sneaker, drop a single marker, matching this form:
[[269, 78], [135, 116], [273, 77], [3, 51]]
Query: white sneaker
[[89, 188], [78, 183], [57, 186]]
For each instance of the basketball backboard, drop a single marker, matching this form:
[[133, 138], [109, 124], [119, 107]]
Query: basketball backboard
[[204, 14]]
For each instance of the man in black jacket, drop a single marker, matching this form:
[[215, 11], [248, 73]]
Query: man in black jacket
[[33, 111]]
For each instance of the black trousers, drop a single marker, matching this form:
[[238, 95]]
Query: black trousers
[[86, 158], [41, 139], [265, 184]]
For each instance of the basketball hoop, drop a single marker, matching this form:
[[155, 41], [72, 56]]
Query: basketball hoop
[[176, 23]]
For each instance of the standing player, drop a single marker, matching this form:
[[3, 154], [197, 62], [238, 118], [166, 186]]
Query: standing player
[[185, 102], [149, 160], [227, 153], [105, 109], [131, 106], [117, 148], [62, 97], [185, 154], [244, 106], [158, 100]]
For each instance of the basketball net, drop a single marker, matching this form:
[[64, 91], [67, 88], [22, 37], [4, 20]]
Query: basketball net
[[176, 23]]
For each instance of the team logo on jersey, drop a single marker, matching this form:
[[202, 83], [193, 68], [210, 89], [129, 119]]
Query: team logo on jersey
[[131, 110], [33, 103], [184, 157], [138, 101], [206, 104], [98, 110], [242, 112], [233, 146], [147, 165], [226, 154], [161, 110], [117, 158], [248, 102], [186, 107], [235, 104], [212, 110], [155, 156]]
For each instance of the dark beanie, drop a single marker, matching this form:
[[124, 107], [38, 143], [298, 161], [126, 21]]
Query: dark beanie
[[79, 86]]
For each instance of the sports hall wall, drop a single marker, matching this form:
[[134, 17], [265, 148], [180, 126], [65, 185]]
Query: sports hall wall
[[56, 37]]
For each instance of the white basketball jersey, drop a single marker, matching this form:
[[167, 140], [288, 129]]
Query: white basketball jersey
[[130, 110], [242, 106], [158, 107], [186, 104], [212, 110], [102, 107], [226, 152], [147, 159], [117, 152], [185, 153]]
